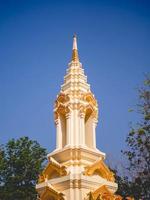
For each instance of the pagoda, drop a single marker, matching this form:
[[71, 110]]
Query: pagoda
[[76, 168]]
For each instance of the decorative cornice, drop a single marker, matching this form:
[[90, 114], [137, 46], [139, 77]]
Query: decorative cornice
[[85, 103], [50, 192], [69, 154], [53, 168], [101, 169], [102, 193]]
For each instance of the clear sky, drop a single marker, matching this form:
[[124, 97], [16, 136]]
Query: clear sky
[[35, 48]]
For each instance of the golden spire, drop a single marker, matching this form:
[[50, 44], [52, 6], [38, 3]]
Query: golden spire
[[75, 56]]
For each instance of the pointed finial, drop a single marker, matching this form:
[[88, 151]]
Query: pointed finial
[[75, 42], [75, 56]]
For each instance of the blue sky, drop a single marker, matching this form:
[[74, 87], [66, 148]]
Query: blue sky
[[35, 48]]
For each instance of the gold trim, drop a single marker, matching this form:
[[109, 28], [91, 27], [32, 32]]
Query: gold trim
[[53, 168], [51, 192], [75, 56], [104, 194], [101, 169]]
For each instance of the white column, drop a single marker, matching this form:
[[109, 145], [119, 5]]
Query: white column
[[58, 134], [94, 132], [76, 130], [82, 128], [71, 129], [68, 128]]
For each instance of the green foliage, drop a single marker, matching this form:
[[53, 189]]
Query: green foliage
[[138, 152], [21, 161]]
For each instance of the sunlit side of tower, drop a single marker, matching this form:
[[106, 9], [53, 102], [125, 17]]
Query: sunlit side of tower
[[76, 168]]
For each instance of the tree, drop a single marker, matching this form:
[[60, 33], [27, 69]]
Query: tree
[[137, 183], [21, 161]]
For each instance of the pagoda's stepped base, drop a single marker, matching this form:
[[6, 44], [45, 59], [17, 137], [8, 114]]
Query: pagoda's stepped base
[[85, 171], [71, 155]]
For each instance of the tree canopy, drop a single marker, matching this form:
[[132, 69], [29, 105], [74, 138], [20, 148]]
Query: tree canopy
[[137, 181], [21, 161]]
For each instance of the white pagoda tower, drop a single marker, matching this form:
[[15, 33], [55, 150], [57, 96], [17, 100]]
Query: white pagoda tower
[[76, 168]]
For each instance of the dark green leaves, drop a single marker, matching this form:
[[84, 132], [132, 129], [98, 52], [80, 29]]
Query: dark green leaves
[[21, 161], [137, 182]]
